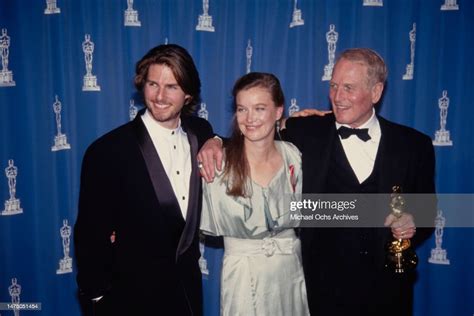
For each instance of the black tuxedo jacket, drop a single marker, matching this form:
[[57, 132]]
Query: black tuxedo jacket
[[343, 270], [152, 267]]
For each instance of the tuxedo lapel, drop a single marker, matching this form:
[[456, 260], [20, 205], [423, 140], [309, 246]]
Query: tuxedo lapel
[[324, 148], [192, 213], [390, 159], [161, 184], [317, 155]]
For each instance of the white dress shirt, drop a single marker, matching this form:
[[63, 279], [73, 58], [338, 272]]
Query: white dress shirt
[[174, 150], [361, 155]]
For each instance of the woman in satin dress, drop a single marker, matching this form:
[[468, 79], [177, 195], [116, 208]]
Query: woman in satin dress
[[248, 204]]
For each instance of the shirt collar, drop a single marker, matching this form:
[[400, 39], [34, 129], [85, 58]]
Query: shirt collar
[[156, 129], [372, 124]]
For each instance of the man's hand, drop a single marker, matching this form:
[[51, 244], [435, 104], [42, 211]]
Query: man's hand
[[310, 112], [402, 227], [303, 113], [209, 158]]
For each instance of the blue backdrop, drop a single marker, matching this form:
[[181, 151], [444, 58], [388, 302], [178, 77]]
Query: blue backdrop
[[44, 50]]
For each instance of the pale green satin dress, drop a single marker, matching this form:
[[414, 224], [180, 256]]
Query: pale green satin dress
[[262, 272]]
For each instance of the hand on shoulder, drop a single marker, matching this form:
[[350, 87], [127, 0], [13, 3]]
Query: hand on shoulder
[[310, 112], [304, 113]]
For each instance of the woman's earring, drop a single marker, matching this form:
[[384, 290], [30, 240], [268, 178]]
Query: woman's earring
[[277, 127]]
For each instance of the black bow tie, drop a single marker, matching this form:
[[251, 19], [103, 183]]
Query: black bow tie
[[362, 133]]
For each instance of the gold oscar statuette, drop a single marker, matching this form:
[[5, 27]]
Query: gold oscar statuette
[[401, 257]]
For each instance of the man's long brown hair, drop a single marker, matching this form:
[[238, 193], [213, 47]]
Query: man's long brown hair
[[181, 64], [237, 169]]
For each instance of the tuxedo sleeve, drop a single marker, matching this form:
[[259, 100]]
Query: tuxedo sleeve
[[426, 166], [425, 184], [201, 128], [94, 225], [294, 132]]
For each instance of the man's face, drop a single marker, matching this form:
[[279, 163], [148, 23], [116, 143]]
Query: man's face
[[164, 98], [352, 96]]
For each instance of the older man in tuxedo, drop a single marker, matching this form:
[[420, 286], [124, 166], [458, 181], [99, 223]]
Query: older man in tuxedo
[[136, 235], [353, 150]]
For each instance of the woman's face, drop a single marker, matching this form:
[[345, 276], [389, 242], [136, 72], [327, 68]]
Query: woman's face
[[256, 114]]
